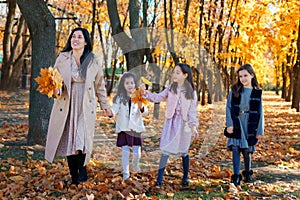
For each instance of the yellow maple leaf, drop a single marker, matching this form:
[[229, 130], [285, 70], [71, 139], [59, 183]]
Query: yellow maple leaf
[[137, 96], [49, 80], [146, 81]]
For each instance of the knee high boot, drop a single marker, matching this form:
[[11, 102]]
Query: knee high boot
[[247, 173], [162, 165], [236, 179], [81, 168], [185, 165], [72, 163], [248, 176]]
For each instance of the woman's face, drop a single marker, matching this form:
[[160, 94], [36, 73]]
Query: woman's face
[[245, 78], [77, 40]]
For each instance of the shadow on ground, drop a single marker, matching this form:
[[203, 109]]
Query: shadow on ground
[[21, 151]]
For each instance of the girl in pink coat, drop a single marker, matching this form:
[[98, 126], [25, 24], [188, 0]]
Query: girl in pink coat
[[181, 120]]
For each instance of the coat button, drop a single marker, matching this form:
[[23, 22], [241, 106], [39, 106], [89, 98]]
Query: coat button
[[60, 109], [92, 112], [90, 88], [90, 101]]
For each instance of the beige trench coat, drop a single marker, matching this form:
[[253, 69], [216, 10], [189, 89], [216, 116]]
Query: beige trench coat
[[94, 87]]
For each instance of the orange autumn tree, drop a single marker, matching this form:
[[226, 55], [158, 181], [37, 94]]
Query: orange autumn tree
[[283, 34]]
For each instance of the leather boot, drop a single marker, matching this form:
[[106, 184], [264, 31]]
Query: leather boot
[[81, 168], [236, 179], [248, 176], [185, 165], [72, 163]]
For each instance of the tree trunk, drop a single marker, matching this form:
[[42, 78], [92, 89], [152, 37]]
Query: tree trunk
[[132, 48], [202, 66], [296, 90], [296, 86], [41, 25], [284, 81], [93, 21], [7, 43], [170, 39], [17, 56], [277, 87]]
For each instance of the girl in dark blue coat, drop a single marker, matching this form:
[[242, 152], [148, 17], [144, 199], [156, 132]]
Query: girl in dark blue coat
[[244, 121]]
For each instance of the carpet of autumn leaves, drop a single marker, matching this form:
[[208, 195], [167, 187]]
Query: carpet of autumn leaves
[[24, 174]]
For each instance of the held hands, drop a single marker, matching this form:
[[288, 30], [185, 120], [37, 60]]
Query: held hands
[[108, 112], [143, 89]]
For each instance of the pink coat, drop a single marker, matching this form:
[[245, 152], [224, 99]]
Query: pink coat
[[176, 140], [172, 101], [94, 87]]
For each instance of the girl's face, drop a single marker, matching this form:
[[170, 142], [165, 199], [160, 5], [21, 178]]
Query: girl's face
[[245, 78], [129, 85], [77, 40], [179, 76]]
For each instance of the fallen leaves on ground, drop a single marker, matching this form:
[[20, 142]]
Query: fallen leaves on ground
[[277, 160]]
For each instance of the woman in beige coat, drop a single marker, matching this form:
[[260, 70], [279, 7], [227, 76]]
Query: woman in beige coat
[[72, 120]]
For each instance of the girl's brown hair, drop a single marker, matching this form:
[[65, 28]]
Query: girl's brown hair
[[239, 87], [188, 83], [121, 92]]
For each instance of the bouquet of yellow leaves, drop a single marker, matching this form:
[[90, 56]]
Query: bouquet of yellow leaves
[[137, 96], [49, 80]]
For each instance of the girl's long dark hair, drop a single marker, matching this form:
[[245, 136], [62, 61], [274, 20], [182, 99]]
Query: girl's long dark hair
[[238, 87], [121, 91], [87, 48], [188, 82]]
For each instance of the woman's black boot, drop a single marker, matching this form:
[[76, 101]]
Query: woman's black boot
[[248, 176], [236, 179], [82, 169], [72, 163]]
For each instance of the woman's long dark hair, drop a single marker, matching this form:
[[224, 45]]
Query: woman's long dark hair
[[188, 82], [87, 48], [238, 87], [121, 91]]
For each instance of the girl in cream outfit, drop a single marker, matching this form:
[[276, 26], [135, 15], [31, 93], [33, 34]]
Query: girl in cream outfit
[[129, 124]]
